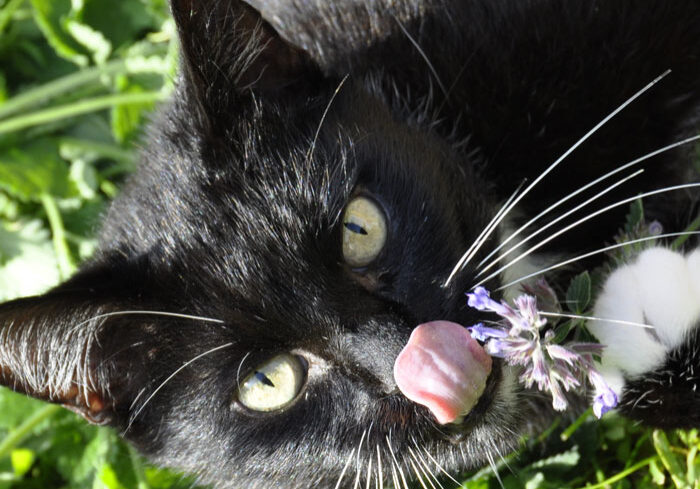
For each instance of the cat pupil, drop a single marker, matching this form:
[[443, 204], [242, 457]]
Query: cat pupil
[[355, 228], [264, 379]]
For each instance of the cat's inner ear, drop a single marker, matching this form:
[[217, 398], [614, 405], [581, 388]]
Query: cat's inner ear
[[227, 48]]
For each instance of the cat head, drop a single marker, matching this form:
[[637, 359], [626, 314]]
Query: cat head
[[294, 219]]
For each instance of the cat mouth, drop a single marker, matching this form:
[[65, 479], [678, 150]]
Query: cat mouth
[[444, 369]]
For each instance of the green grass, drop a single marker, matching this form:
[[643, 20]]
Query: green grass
[[77, 80]]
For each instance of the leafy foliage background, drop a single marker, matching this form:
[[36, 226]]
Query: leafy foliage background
[[77, 81]]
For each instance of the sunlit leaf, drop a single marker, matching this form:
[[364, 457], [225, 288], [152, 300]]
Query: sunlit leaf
[[34, 169], [30, 266]]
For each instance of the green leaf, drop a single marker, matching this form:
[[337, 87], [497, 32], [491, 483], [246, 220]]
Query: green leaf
[[657, 474], [567, 459], [578, 296], [121, 21], [107, 479], [127, 119], [29, 171], [476, 484], [50, 16], [3, 89], [635, 216], [562, 331], [9, 208], [22, 460], [30, 266], [93, 458], [15, 408], [84, 179], [92, 39], [615, 432], [669, 459], [536, 481]]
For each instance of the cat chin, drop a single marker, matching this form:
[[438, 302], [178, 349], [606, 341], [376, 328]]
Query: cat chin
[[661, 288]]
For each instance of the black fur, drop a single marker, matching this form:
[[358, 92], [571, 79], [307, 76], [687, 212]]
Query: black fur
[[669, 396], [234, 215]]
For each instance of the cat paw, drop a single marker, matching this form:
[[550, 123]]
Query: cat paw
[[661, 289]]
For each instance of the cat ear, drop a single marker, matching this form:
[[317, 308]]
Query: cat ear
[[42, 356], [50, 350], [227, 48]]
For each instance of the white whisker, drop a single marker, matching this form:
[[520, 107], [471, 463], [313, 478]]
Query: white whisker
[[418, 474], [495, 470], [429, 476], [357, 462], [170, 377], [558, 219], [424, 56], [593, 318], [368, 477], [149, 313], [593, 253], [584, 188], [571, 150], [398, 465], [345, 468], [467, 256], [310, 152], [503, 459], [581, 221], [380, 470], [440, 467], [394, 476]]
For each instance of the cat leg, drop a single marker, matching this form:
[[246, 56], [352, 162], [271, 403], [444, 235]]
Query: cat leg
[[654, 371]]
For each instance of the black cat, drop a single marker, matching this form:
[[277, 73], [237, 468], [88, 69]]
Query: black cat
[[303, 199]]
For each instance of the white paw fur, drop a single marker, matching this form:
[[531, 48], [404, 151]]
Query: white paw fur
[[661, 288]]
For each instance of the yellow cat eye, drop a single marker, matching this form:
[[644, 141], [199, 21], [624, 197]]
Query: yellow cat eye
[[273, 385], [364, 232]]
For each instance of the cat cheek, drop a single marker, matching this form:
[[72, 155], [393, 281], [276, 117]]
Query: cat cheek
[[443, 368]]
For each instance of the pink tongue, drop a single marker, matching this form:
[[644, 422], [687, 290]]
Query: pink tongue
[[442, 368]]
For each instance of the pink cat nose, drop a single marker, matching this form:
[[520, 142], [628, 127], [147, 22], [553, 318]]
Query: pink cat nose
[[443, 368]]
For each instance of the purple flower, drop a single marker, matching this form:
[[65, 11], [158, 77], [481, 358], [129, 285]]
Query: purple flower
[[605, 398], [655, 228], [519, 340], [497, 348], [483, 333], [559, 401], [561, 353], [480, 299]]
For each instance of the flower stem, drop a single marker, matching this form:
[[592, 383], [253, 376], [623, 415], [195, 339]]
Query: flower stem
[[77, 108], [619, 476], [566, 434], [66, 84], [544, 435], [66, 265], [104, 150], [16, 436], [693, 226]]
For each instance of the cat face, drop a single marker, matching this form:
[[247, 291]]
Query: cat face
[[313, 219], [288, 229]]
